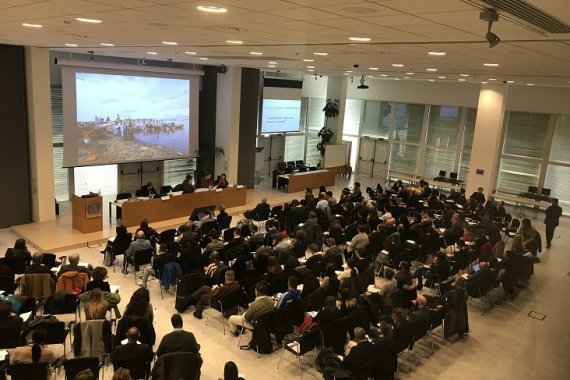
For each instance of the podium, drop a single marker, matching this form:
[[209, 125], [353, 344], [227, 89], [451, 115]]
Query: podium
[[87, 214]]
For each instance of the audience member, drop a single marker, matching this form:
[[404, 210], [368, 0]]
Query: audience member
[[206, 294], [231, 372], [19, 251], [141, 243], [159, 261], [36, 266], [551, 219], [74, 266], [291, 294], [178, 340], [36, 352], [133, 349], [261, 305], [99, 275]]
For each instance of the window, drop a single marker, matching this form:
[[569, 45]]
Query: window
[[294, 147], [100, 178], [559, 150], [352, 114], [175, 171], [408, 122], [435, 160], [60, 174], [469, 131], [315, 121], [464, 161], [443, 126], [525, 134], [517, 175], [558, 181], [377, 119], [403, 158]]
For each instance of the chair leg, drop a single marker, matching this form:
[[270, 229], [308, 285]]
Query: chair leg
[[222, 318], [300, 369], [160, 286], [281, 356]]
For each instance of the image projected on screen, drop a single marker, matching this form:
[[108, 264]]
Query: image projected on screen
[[121, 117], [280, 115]]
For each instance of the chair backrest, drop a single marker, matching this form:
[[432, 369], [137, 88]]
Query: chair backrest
[[231, 301], [73, 366], [10, 337], [34, 285], [55, 305], [49, 260], [165, 189], [137, 367], [420, 329], [7, 283], [55, 330], [279, 284], [229, 234], [225, 222], [123, 196], [308, 341], [36, 371], [178, 365], [143, 257], [167, 236], [209, 226], [334, 336], [397, 298], [294, 312], [121, 245]]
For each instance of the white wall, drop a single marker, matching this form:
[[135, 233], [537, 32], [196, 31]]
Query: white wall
[[552, 100], [314, 88]]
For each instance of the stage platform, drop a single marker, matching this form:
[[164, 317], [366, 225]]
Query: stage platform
[[58, 235]]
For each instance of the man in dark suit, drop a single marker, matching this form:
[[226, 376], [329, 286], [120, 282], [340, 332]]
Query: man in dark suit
[[178, 340], [132, 350], [360, 359], [147, 190], [262, 209], [205, 294], [478, 196], [553, 213], [237, 239], [37, 266]]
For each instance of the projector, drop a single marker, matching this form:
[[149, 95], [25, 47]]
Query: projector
[[363, 86]]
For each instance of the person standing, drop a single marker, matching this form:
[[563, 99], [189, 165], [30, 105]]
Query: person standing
[[551, 219]]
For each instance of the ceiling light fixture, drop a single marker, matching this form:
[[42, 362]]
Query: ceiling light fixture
[[484, 82], [203, 58], [310, 67], [396, 78], [320, 53], [308, 60], [437, 53], [431, 70], [190, 52], [410, 73], [463, 75], [360, 39], [28, 25], [510, 81], [362, 85], [71, 45], [383, 75], [492, 79], [349, 71], [237, 42], [272, 66], [431, 80], [211, 9], [530, 84], [441, 77], [152, 52], [369, 76], [311, 70], [461, 79], [397, 64], [170, 43], [272, 62], [106, 44], [373, 68], [491, 64], [490, 15], [89, 20], [255, 53]]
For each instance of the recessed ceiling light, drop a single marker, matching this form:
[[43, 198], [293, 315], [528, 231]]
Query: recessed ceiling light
[[370, 76], [71, 45], [308, 60], [431, 70], [431, 80], [271, 66], [89, 20], [383, 75], [310, 67], [348, 71], [406, 77], [203, 58], [272, 62], [320, 53], [463, 75], [373, 68], [152, 52], [396, 78], [437, 53], [492, 78], [410, 73], [530, 84], [106, 44], [491, 64], [237, 42], [484, 82], [255, 53], [441, 77], [28, 25], [190, 52], [461, 80], [211, 9], [398, 64], [170, 43], [311, 70], [360, 39], [510, 81]]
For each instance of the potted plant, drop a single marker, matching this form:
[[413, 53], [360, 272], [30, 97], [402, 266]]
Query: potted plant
[[331, 110]]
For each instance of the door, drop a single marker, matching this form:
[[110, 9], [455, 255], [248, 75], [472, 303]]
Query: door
[[380, 167], [366, 156]]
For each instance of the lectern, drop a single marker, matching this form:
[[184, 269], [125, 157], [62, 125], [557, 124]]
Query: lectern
[[87, 214]]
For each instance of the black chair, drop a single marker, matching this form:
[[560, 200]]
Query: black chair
[[225, 222], [228, 234], [18, 265], [57, 333], [318, 268], [178, 365], [166, 236], [165, 189], [11, 338], [8, 283], [139, 368], [209, 226], [278, 284], [68, 305], [49, 260], [36, 371], [187, 285], [300, 346], [419, 330], [225, 306], [73, 366], [334, 336], [143, 257]]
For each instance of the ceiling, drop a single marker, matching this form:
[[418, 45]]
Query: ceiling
[[288, 31]]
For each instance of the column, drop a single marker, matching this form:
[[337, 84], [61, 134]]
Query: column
[[337, 89], [483, 168], [40, 134]]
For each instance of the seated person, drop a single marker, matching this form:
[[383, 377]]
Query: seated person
[[99, 275], [141, 243], [147, 190], [271, 230], [478, 196], [359, 336], [187, 186], [159, 260], [420, 311], [121, 239], [20, 251], [329, 312], [178, 340], [36, 266], [207, 181], [401, 326], [149, 232], [361, 358], [215, 243], [37, 352], [311, 221], [96, 303], [389, 284], [261, 305], [361, 263], [133, 349], [237, 239], [205, 294], [222, 181], [8, 319], [215, 264], [291, 294], [262, 209], [209, 217], [222, 214], [359, 240], [356, 192], [74, 266]]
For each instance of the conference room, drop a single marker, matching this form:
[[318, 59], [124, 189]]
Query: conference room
[[173, 114]]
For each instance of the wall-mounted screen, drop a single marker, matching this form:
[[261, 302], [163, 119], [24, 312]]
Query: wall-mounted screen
[[114, 116], [280, 115]]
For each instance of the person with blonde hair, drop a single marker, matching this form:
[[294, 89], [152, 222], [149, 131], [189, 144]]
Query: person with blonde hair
[[97, 306], [122, 374]]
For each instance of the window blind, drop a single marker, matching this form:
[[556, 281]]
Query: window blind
[[377, 119], [558, 181], [403, 158], [175, 171], [294, 147], [525, 134], [315, 121], [469, 130], [559, 149], [60, 174], [517, 175], [408, 122], [435, 160], [464, 161], [443, 126], [352, 115]]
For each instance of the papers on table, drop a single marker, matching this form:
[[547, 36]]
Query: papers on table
[[3, 355], [312, 313], [176, 193], [1, 292], [165, 198], [239, 186], [295, 346], [121, 201], [218, 190], [372, 289], [114, 288], [26, 316], [384, 252]]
